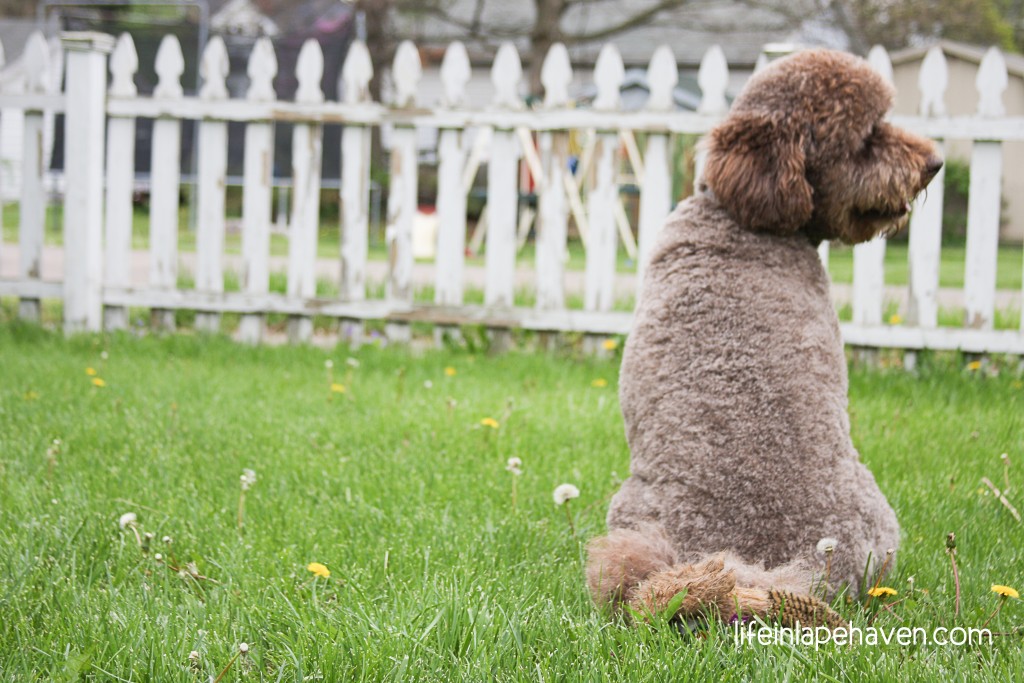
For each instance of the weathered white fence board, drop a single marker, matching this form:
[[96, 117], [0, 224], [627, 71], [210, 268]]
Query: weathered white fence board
[[452, 187], [656, 186], [402, 199], [925, 239], [213, 170], [117, 258], [165, 180], [983, 201], [307, 159], [257, 179], [355, 186], [33, 194], [599, 290], [590, 196]]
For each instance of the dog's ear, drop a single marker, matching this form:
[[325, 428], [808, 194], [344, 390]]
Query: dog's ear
[[755, 167]]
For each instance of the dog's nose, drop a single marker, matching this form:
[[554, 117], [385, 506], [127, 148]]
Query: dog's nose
[[932, 167]]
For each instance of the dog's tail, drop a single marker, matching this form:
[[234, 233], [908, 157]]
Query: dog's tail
[[639, 569]]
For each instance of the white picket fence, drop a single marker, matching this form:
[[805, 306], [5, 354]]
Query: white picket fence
[[100, 123]]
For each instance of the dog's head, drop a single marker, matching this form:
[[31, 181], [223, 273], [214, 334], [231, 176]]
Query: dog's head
[[806, 148]]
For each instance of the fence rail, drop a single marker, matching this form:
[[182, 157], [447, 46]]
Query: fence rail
[[100, 115]]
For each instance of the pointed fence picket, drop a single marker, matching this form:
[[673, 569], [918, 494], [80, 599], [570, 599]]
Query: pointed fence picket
[[124, 63], [33, 194], [97, 287], [402, 199], [552, 227], [165, 180], [307, 158], [257, 179], [211, 186], [355, 186], [869, 257], [984, 199], [925, 238]]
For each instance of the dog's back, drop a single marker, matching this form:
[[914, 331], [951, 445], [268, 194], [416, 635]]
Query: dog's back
[[733, 389]]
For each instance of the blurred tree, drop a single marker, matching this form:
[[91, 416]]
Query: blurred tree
[[896, 24]]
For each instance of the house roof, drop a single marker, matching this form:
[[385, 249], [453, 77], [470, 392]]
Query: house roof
[[963, 51]]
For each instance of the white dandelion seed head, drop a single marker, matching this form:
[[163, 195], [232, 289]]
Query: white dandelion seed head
[[514, 465], [428, 384], [193, 656], [127, 519], [827, 545], [104, 355], [247, 479], [328, 363], [243, 647], [158, 557], [565, 492], [168, 540], [351, 362]]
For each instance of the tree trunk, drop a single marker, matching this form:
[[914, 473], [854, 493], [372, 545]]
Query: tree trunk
[[545, 33]]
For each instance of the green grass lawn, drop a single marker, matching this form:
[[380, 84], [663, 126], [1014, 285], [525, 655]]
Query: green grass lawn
[[437, 571]]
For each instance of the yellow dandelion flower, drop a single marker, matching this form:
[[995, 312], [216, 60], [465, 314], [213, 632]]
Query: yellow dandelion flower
[[974, 365], [98, 382], [449, 371], [610, 344], [1005, 591], [337, 388], [319, 569], [91, 372], [895, 319], [879, 591], [599, 383], [490, 422], [31, 395]]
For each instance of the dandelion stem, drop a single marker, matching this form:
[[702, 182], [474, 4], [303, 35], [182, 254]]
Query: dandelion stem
[[1002, 599], [514, 487], [226, 668], [956, 581], [241, 509], [828, 574], [881, 572], [568, 516]]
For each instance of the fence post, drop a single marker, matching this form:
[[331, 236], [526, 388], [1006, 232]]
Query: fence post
[[33, 195], [83, 168]]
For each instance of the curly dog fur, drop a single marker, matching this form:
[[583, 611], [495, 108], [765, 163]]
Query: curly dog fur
[[733, 381]]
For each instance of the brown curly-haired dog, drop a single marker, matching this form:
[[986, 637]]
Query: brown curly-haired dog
[[733, 381]]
